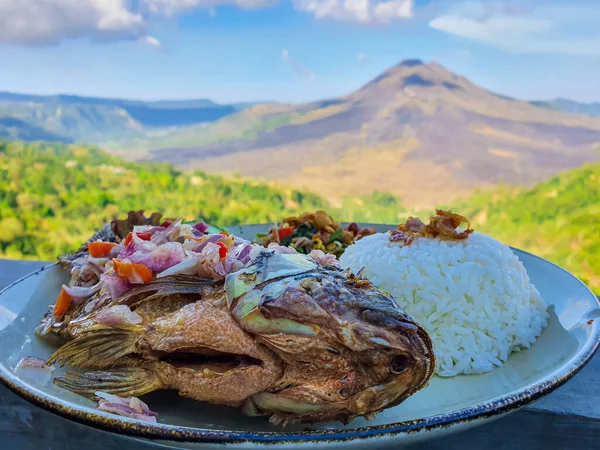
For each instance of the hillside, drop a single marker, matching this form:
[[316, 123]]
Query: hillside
[[53, 197], [68, 118], [562, 104], [430, 136]]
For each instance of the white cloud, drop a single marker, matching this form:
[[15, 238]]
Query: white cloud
[[362, 58], [297, 67], [368, 12], [45, 22], [151, 41], [172, 7], [534, 30], [39, 22]]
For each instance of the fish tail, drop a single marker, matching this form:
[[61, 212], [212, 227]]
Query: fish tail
[[98, 347], [123, 381]]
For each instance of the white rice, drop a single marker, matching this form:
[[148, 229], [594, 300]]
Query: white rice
[[473, 296]]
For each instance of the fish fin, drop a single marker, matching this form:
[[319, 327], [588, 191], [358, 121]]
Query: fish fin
[[97, 347], [123, 381]]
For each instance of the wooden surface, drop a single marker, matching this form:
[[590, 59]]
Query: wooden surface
[[569, 418]]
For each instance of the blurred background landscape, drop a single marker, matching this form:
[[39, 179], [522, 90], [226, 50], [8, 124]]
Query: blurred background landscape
[[201, 109]]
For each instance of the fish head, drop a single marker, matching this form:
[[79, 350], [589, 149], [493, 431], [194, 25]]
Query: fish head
[[347, 348]]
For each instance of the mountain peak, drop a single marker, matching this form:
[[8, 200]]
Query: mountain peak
[[412, 62], [414, 73]]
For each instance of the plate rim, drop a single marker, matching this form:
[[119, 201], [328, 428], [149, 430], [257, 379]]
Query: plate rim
[[481, 411]]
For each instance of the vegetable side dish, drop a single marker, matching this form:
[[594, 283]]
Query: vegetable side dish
[[314, 231]]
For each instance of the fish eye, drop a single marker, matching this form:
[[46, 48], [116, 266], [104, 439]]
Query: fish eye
[[399, 363], [344, 392]]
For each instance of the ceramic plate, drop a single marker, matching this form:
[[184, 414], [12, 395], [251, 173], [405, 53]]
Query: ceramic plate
[[446, 405]]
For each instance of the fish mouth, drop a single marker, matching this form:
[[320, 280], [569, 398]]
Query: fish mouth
[[205, 358]]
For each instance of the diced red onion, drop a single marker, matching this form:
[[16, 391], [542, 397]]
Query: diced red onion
[[33, 370], [116, 285], [111, 398], [125, 411], [209, 259], [161, 258], [165, 235], [90, 270], [280, 248], [239, 241], [118, 315], [34, 363], [137, 245], [242, 252], [229, 265], [128, 407], [214, 238], [81, 291], [323, 258], [200, 228], [244, 255], [186, 267], [115, 251]]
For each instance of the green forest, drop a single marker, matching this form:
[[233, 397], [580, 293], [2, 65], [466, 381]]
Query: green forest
[[53, 197]]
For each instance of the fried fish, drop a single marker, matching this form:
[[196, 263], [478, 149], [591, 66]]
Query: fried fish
[[285, 337]]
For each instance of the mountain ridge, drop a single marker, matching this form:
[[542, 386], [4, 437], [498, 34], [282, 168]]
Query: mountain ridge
[[428, 135], [70, 118], [591, 109]]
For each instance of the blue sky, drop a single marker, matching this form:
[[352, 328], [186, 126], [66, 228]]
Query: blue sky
[[293, 50]]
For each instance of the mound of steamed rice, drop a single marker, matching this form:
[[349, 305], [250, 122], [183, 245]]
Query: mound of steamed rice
[[472, 296]]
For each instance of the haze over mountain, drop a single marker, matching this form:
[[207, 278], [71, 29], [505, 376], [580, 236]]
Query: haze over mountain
[[563, 104], [417, 131], [69, 118]]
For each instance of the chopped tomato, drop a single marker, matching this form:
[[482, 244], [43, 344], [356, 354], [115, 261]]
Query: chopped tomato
[[98, 249], [222, 249], [285, 232], [224, 233], [62, 303], [143, 235], [134, 273]]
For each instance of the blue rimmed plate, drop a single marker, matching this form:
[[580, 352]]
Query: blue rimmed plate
[[446, 405]]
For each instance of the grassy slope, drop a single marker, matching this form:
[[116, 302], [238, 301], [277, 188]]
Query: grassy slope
[[244, 125], [556, 219], [53, 197]]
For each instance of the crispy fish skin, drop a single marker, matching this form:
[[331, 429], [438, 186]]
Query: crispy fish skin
[[202, 330], [288, 338], [150, 300]]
